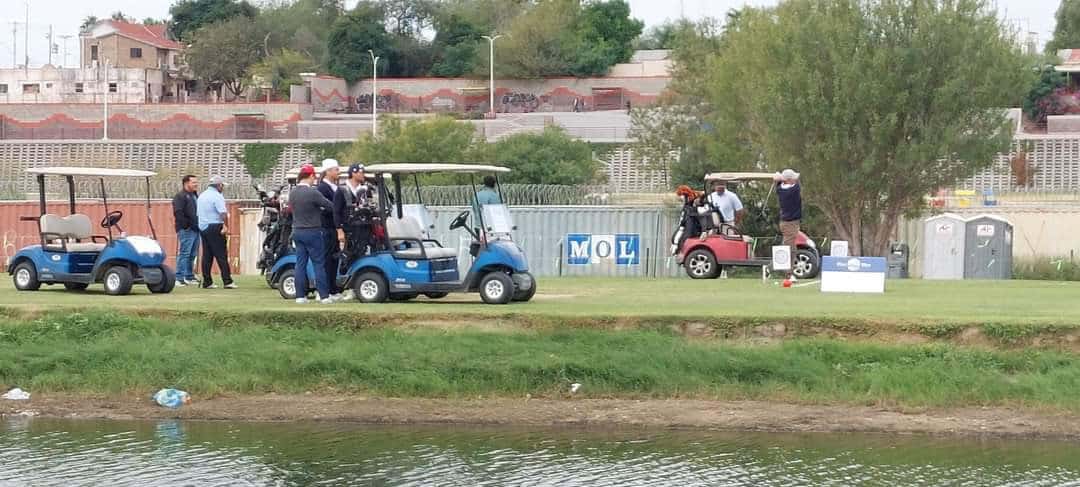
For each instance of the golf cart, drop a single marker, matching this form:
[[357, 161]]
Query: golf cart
[[70, 253], [407, 262], [704, 257], [275, 222]]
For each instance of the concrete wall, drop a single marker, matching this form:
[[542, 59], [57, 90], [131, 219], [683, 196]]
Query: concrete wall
[[1056, 124], [153, 121], [55, 85]]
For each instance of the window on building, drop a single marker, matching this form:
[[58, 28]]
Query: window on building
[[78, 87], [93, 53], [3, 89], [136, 53], [31, 89], [48, 85], [112, 87]]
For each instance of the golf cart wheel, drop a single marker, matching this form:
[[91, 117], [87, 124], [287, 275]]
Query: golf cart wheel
[[526, 295], [403, 297], [25, 277], [75, 286], [118, 281], [497, 288], [807, 264], [286, 284], [167, 284], [701, 264], [371, 287]]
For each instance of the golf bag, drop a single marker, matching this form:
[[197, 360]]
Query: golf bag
[[276, 225]]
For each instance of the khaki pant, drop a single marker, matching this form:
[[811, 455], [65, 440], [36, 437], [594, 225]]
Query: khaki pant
[[790, 230]]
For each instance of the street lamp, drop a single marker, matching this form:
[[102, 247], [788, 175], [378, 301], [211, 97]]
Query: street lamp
[[374, 93], [491, 65], [105, 117]]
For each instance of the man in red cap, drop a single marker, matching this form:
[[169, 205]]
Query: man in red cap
[[309, 207]]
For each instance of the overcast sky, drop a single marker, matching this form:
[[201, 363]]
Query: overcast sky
[[66, 15]]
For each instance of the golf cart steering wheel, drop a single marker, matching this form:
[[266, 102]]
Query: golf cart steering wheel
[[112, 219], [460, 220]]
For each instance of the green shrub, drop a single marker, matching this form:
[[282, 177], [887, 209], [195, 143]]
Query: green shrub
[[1047, 269]]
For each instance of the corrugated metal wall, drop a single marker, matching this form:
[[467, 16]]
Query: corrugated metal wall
[[18, 234]]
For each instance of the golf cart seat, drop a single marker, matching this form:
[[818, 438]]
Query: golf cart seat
[[407, 230], [65, 234]]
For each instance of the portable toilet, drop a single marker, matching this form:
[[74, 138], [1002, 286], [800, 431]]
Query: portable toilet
[[988, 247], [943, 255]]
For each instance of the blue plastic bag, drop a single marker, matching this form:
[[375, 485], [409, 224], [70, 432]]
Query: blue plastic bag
[[172, 398]]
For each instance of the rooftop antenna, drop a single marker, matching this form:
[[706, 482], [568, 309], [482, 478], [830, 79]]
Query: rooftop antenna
[[26, 48], [65, 38]]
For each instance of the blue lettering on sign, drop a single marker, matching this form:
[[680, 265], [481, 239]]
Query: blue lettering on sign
[[577, 248], [853, 264], [628, 247], [586, 248]]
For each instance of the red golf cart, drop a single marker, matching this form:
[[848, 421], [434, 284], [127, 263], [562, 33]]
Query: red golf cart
[[705, 253]]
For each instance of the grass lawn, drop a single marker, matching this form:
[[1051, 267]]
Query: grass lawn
[[908, 301]]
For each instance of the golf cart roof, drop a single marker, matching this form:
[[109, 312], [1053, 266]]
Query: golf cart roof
[[738, 176], [91, 172], [418, 167]]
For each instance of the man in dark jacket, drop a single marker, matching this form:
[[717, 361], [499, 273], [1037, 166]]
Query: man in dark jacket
[[308, 209], [352, 214], [185, 213], [790, 192], [328, 187]]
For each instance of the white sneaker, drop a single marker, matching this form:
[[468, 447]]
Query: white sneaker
[[329, 300], [181, 284], [347, 295], [191, 282], [212, 286], [301, 301], [231, 285]]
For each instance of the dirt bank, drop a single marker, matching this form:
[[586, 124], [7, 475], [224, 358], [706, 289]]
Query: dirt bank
[[587, 413]]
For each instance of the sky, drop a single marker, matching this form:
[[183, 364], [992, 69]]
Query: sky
[[65, 16]]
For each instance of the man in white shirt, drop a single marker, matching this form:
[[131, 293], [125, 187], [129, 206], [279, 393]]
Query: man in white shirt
[[725, 205]]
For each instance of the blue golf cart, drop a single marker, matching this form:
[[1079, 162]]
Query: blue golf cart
[[72, 255], [407, 262]]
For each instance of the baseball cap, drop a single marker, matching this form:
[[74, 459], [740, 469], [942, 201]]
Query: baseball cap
[[216, 180], [789, 174], [328, 164], [306, 170], [355, 168]]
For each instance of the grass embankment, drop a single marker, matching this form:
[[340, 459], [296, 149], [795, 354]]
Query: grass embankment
[[109, 353]]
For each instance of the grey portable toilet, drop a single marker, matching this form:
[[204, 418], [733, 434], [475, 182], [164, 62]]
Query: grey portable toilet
[[988, 248], [943, 247]]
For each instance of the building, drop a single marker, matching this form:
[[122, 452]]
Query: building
[[50, 84], [137, 46]]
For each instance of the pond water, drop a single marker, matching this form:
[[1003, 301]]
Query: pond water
[[65, 452]]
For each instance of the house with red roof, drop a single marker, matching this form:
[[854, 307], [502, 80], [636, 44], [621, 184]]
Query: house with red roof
[[129, 45]]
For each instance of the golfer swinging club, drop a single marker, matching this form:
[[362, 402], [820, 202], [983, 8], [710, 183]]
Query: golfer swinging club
[[790, 193]]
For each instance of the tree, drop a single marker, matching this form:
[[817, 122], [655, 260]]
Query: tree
[[153, 21], [436, 139], [550, 157], [663, 36], [88, 23], [118, 15], [300, 26], [282, 70], [222, 53], [608, 34], [1066, 28], [876, 103], [456, 44], [351, 36], [1044, 98], [189, 16]]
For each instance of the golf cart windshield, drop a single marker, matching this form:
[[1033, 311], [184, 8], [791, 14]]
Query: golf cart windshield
[[498, 221]]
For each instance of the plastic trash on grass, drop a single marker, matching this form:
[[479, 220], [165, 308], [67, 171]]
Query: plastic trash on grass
[[16, 394], [172, 398]]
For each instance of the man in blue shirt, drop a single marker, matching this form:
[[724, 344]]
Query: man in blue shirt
[[213, 226], [486, 196]]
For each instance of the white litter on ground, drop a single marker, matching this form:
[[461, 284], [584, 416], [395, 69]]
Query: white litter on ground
[[16, 394]]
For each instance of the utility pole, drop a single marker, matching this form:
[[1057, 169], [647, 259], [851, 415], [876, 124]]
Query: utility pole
[[105, 117], [374, 94], [26, 48], [491, 64], [14, 45], [65, 38], [50, 44]]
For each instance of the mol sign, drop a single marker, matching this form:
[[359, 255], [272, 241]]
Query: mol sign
[[623, 249]]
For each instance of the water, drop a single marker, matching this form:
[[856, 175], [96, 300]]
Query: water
[[62, 452]]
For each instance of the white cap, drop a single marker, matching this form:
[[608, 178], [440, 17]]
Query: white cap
[[789, 174], [328, 164]]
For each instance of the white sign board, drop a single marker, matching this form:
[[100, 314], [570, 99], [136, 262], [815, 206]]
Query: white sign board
[[984, 230], [853, 274], [781, 258], [838, 248]]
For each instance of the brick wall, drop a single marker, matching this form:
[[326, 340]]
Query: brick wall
[[156, 121]]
